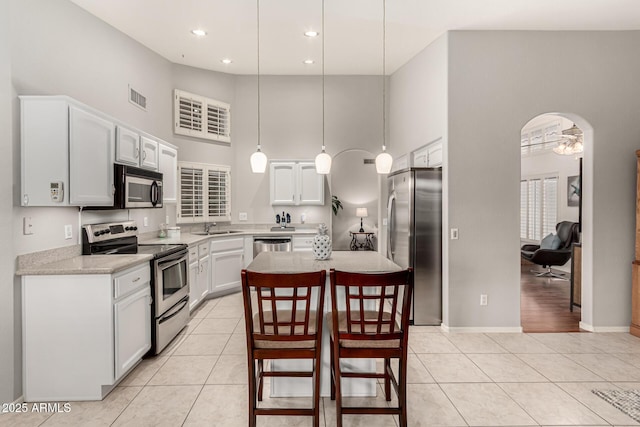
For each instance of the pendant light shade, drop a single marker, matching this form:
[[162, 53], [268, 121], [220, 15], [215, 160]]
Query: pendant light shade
[[258, 159], [323, 163], [323, 160], [384, 161]]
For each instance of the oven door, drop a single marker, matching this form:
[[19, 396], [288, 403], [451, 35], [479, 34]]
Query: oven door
[[141, 192], [171, 280]]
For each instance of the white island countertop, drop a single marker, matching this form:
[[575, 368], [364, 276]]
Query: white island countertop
[[86, 264], [296, 262]]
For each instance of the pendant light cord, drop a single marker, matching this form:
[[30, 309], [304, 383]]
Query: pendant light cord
[[322, 29], [384, 78], [258, 41]]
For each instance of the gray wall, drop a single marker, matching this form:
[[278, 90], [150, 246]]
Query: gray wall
[[498, 81], [8, 361]]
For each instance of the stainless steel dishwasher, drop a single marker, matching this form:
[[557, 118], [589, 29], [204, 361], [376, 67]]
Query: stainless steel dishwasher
[[271, 244]]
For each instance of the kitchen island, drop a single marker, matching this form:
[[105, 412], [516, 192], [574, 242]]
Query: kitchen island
[[297, 262]]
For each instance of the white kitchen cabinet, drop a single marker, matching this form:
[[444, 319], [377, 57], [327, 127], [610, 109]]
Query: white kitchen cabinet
[[148, 153], [295, 183], [67, 146], [91, 152], [127, 146], [132, 329], [428, 156], [168, 167], [302, 243], [83, 332], [227, 260], [198, 274]]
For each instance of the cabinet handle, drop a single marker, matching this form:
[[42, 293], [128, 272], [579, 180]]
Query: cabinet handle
[[150, 300], [144, 154], [293, 197], [135, 280], [137, 153], [113, 190]]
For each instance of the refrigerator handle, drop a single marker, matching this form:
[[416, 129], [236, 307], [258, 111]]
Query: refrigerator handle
[[391, 213]]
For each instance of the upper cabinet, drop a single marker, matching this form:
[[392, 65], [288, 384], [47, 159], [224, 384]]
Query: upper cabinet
[[67, 152], [428, 156], [168, 167], [296, 183], [135, 149]]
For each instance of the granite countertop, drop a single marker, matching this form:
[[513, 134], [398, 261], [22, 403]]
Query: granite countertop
[[187, 238], [296, 262], [86, 264]]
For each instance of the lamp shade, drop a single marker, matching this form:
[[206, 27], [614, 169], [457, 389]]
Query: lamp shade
[[362, 212], [384, 161], [323, 163], [258, 162]]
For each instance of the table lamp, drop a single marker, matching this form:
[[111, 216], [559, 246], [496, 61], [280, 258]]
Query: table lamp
[[362, 213]]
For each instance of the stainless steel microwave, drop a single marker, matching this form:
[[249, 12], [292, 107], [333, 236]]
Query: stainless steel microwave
[[136, 188]]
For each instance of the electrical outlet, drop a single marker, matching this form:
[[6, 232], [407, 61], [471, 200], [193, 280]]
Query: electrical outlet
[[68, 232], [303, 218], [27, 225], [454, 234], [384, 221], [145, 221], [242, 216], [483, 299], [166, 220]]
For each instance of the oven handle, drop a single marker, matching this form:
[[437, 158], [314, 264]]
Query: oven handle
[[175, 313], [163, 264]]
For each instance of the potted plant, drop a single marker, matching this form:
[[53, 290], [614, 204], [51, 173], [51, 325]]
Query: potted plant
[[336, 204]]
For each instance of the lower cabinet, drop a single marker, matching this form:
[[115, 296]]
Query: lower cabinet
[[198, 274], [227, 260], [83, 332], [132, 329], [303, 243]]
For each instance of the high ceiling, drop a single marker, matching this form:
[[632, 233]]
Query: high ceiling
[[352, 33]]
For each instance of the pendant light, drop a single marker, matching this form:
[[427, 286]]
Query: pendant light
[[323, 160], [384, 161], [258, 159]]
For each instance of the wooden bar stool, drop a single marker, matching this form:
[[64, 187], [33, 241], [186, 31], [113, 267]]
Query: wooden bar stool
[[283, 319], [373, 324]]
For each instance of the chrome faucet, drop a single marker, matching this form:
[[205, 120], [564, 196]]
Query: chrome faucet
[[207, 227]]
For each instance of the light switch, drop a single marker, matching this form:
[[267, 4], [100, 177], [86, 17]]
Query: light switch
[[242, 216], [68, 232], [145, 221], [454, 234], [27, 225]]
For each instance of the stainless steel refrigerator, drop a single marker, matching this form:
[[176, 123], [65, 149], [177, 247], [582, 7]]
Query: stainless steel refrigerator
[[414, 239]]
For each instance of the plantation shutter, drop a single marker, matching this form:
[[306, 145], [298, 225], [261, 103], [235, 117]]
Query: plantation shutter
[[205, 192], [523, 209], [550, 206], [218, 193], [201, 117], [191, 196], [538, 206]]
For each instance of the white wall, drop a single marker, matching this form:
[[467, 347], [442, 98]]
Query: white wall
[[9, 380], [497, 82]]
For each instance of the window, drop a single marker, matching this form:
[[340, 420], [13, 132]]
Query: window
[[541, 138], [205, 192], [538, 206], [201, 117]]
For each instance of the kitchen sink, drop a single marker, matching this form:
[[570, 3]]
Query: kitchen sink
[[215, 232], [283, 229]]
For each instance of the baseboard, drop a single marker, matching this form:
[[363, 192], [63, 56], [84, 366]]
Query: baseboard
[[611, 329], [481, 329], [19, 400], [586, 326]]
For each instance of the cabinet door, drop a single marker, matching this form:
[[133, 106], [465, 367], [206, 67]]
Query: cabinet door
[[203, 277], [310, 185], [132, 327], [194, 293], [420, 158], [127, 146], [148, 153], [168, 166], [225, 271], [303, 243], [91, 154], [435, 155], [283, 183]]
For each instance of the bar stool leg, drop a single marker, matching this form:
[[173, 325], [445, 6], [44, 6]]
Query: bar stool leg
[[260, 379], [338, 384], [316, 391], [402, 390], [252, 393], [331, 368], [387, 379]]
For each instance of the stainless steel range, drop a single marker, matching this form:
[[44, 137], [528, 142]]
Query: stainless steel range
[[169, 275]]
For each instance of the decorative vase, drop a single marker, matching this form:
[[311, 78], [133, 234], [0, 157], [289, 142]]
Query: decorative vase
[[321, 244]]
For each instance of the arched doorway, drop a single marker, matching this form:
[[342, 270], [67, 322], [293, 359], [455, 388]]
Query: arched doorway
[[553, 191]]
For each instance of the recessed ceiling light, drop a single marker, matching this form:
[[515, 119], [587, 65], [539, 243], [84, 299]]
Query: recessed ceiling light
[[308, 61], [311, 33], [226, 61], [200, 33]]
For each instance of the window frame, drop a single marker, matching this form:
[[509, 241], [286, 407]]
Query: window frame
[[205, 195], [540, 208]]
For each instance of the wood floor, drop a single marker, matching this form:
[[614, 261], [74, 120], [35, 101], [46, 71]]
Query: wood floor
[[544, 304]]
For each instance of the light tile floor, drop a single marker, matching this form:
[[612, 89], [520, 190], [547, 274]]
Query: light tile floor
[[455, 379]]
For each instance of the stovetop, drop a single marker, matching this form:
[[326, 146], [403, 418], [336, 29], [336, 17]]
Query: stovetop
[[159, 250]]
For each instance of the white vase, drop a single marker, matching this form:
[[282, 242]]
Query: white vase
[[321, 246]]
